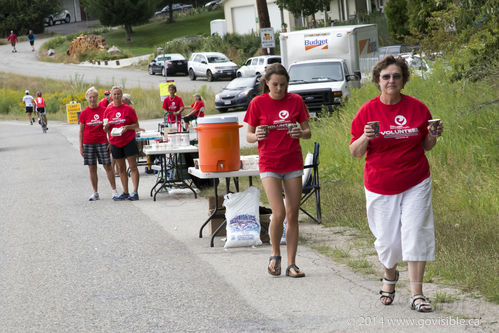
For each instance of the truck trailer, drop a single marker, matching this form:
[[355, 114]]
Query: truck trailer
[[324, 63]]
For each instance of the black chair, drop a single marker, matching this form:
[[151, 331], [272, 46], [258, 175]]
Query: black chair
[[311, 186]]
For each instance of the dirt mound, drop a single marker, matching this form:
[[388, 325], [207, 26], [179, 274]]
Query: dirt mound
[[83, 43]]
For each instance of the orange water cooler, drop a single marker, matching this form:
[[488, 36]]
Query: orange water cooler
[[218, 139]]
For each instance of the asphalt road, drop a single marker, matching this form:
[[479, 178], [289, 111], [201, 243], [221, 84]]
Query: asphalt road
[[70, 265], [25, 62]]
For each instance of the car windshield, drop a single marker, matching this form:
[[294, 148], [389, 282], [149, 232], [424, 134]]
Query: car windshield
[[316, 72], [214, 59], [271, 61], [243, 82]]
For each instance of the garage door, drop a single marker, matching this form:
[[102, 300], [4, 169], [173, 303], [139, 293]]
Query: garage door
[[244, 20]]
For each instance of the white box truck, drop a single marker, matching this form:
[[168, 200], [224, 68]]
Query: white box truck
[[324, 63]]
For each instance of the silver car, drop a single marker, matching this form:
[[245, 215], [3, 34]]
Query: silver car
[[63, 17], [213, 65]]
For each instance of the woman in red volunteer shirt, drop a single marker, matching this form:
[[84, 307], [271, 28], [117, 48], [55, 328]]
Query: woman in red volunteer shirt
[[173, 106], [197, 111], [93, 143], [397, 178], [272, 119], [123, 144]]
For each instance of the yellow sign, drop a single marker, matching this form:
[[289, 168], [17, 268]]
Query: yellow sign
[[163, 89], [73, 111]]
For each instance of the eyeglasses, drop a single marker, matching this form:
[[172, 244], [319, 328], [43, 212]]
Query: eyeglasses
[[395, 77]]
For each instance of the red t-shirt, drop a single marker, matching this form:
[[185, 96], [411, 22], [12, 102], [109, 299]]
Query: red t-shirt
[[40, 102], [92, 119], [120, 116], [12, 38], [173, 105], [395, 161], [104, 102], [197, 105], [278, 152]]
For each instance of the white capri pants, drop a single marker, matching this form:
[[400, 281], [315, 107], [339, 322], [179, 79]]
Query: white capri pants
[[402, 224]]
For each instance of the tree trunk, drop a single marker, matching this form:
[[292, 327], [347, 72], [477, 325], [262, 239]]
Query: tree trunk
[[170, 12], [263, 19], [128, 33]]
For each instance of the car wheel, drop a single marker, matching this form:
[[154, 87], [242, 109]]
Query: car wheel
[[163, 72], [209, 75], [238, 74], [67, 19], [150, 71], [192, 76]]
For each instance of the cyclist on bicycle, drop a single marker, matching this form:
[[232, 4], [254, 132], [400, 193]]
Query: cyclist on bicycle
[[40, 108]]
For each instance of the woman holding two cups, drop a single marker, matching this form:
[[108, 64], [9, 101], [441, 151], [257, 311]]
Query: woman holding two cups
[[393, 131], [272, 119]]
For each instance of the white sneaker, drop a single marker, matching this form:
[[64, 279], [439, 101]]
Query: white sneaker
[[94, 197]]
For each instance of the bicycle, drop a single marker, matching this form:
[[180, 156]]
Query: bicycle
[[42, 122]]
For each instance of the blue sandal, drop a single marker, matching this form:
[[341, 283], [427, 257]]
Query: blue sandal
[[296, 274], [276, 270]]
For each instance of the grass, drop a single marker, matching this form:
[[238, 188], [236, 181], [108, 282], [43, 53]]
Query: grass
[[145, 38], [465, 171]]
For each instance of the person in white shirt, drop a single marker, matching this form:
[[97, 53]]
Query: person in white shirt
[[28, 103]]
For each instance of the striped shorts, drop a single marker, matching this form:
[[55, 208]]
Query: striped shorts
[[94, 152]]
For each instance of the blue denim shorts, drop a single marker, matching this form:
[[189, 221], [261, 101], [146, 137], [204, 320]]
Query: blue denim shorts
[[282, 175]]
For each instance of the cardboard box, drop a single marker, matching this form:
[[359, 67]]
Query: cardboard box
[[264, 228], [211, 202], [217, 220]]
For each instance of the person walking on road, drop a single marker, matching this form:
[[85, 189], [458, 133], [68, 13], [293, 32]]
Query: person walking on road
[[94, 145], [31, 38], [40, 108], [28, 104], [123, 119], [197, 110], [392, 130], [13, 40], [173, 106], [277, 120]]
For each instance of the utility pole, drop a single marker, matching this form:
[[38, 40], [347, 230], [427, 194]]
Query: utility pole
[[264, 20]]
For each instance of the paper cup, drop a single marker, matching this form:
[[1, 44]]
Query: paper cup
[[265, 128], [433, 125], [375, 126]]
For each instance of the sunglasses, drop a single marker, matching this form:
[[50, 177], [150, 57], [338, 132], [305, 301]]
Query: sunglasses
[[387, 77]]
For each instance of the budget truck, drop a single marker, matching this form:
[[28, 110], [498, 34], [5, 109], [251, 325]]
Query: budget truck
[[323, 64]]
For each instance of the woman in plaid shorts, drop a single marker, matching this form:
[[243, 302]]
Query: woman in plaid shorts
[[94, 145]]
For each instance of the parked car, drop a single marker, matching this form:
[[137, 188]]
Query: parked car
[[175, 6], [418, 65], [212, 3], [63, 17], [168, 64], [257, 65], [394, 50], [213, 65], [238, 93]]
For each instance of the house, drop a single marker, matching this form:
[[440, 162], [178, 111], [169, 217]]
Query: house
[[74, 8], [242, 16]]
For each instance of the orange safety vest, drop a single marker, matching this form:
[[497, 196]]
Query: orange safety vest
[[40, 102]]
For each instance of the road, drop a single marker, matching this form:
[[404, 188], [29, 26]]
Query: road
[[25, 62], [70, 265]]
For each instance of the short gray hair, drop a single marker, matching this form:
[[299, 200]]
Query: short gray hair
[[117, 87], [91, 90]]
